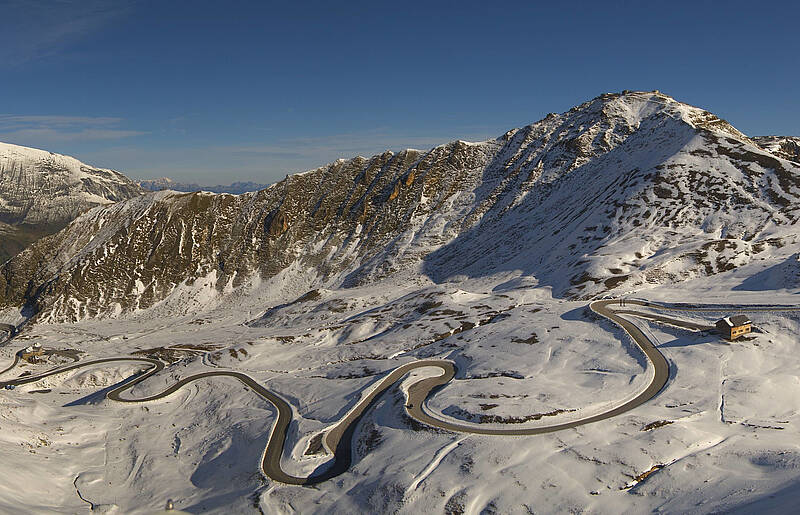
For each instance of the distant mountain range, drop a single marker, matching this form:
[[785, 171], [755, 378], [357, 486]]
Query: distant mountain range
[[623, 191], [165, 183]]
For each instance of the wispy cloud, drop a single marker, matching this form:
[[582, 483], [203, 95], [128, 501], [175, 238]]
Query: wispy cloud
[[33, 29], [38, 130], [56, 120]]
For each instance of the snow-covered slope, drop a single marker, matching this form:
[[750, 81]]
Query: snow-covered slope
[[40, 192], [620, 192], [723, 434]]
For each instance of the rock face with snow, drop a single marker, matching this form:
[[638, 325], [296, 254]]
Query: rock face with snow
[[40, 187], [41, 192], [787, 147], [622, 191]]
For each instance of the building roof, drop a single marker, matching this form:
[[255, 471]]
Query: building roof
[[736, 320], [740, 320]]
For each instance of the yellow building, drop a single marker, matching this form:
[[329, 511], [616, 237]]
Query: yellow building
[[33, 352], [735, 326]]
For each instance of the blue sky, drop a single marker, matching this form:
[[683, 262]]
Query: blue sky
[[213, 92]]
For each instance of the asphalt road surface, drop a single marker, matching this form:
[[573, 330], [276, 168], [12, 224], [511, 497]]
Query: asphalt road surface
[[9, 329], [339, 438]]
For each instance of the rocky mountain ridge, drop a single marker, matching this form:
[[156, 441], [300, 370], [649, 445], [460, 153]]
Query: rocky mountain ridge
[[622, 191]]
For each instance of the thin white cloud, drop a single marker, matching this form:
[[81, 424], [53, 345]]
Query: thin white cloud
[[41, 130], [33, 29], [12, 120]]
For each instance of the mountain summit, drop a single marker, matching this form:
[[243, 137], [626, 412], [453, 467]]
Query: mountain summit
[[41, 192], [619, 192]]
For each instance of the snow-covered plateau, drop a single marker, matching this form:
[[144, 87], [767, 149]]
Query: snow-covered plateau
[[486, 255]]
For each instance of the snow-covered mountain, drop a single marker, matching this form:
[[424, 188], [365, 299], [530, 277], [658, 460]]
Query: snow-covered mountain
[[165, 183], [623, 191], [481, 254], [40, 187], [40, 192]]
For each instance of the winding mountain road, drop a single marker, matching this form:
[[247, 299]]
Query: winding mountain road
[[339, 438], [9, 329]]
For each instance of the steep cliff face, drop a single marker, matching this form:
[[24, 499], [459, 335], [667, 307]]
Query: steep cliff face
[[41, 192], [620, 191]]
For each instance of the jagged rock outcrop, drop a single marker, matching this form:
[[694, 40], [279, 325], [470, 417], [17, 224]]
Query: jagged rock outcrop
[[279, 224], [618, 192]]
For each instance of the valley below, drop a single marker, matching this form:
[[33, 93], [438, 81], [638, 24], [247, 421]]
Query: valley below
[[529, 362]]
